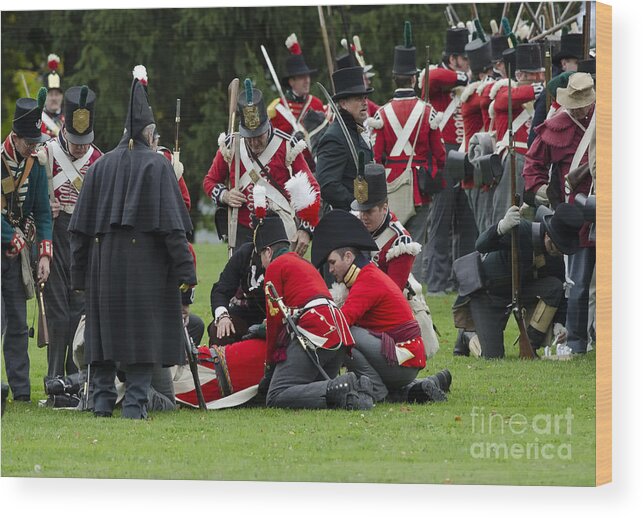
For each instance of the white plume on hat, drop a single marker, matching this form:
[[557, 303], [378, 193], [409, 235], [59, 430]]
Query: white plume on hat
[[140, 73]]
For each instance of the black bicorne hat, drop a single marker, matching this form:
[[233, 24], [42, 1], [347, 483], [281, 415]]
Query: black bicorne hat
[[479, 54], [295, 64], [339, 229], [268, 231], [529, 57], [349, 82], [457, 39], [563, 227], [499, 43], [571, 46], [405, 55], [253, 115], [27, 121], [140, 113], [79, 114], [376, 193]]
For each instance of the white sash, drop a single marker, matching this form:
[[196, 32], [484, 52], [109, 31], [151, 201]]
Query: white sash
[[525, 115], [403, 134], [448, 113], [287, 114], [250, 165], [583, 145], [70, 170], [50, 123]]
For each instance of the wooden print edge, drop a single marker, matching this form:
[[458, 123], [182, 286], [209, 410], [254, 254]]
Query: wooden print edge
[[604, 244]]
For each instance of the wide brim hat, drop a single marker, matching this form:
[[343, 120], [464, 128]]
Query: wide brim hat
[[269, 231], [571, 46], [27, 119], [339, 229], [563, 227], [578, 93], [253, 116], [349, 82], [376, 192], [79, 114]]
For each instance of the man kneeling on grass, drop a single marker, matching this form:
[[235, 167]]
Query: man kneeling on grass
[[298, 377], [388, 342]]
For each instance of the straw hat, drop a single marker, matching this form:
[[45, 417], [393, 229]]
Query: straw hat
[[579, 92]]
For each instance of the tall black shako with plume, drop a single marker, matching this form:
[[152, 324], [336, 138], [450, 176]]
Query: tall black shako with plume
[[251, 108], [404, 57], [140, 112], [27, 117]]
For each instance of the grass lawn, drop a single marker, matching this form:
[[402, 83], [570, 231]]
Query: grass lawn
[[506, 422]]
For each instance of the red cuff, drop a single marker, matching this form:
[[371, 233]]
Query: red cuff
[[45, 249]]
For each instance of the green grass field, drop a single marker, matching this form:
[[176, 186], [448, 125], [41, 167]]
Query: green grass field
[[506, 422]]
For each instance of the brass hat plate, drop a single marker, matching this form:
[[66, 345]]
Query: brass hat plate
[[360, 188], [251, 117], [80, 120]]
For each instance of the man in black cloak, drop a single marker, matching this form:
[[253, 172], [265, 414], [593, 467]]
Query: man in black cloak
[[130, 254]]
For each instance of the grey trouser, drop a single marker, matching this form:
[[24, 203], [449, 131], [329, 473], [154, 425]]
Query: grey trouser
[[161, 393], [502, 193], [581, 268], [297, 383], [368, 361], [490, 311], [15, 338], [481, 203], [137, 385], [63, 305], [418, 227]]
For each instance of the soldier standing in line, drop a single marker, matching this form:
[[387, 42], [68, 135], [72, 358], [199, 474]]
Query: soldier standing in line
[[25, 212], [66, 159], [403, 136], [53, 117]]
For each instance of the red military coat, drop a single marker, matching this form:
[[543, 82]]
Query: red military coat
[[397, 250], [394, 129], [299, 283], [520, 94], [555, 144], [185, 193], [279, 117], [372, 107], [65, 169], [442, 81], [58, 123], [485, 103], [376, 303], [282, 158]]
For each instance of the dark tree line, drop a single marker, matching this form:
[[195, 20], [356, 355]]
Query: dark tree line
[[193, 54]]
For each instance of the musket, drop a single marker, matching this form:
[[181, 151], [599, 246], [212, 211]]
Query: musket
[[449, 17], [517, 20], [194, 368], [359, 54], [233, 213], [474, 12], [43, 318], [274, 297], [587, 27], [526, 351], [534, 16], [453, 13], [547, 79], [177, 120], [426, 75], [553, 29], [342, 124], [329, 58], [24, 83], [292, 120]]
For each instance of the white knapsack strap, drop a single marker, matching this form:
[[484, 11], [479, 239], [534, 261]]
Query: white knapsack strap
[[448, 113], [403, 134], [70, 170], [583, 145], [518, 122]]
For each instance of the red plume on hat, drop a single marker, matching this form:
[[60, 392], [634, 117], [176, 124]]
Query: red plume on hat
[[304, 198], [292, 44], [260, 201], [53, 60]]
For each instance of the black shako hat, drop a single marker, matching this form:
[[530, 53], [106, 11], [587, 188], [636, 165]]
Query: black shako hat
[[251, 108], [140, 113], [529, 57], [498, 45], [588, 66], [375, 177], [27, 121], [52, 79], [79, 114], [295, 63], [349, 82], [563, 227], [269, 230], [571, 46], [339, 229], [346, 61], [457, 39], [479, 54], [404, 56]]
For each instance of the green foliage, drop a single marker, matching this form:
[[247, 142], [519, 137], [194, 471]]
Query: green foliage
[[392, 443]]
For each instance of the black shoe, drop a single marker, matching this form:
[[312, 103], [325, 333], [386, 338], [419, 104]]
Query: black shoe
[[444, 380], [426, 390], [102, 414], [461, 347], [348, 393]]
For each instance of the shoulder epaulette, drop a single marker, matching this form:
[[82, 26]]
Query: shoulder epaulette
[[272, 108], [496, 88]]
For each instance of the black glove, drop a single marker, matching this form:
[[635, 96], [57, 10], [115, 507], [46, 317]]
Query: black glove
[[264, 384]]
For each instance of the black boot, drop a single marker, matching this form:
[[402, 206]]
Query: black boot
[[348, 393], [62, 385], [461, 347], [424, 390], [444, 380]]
